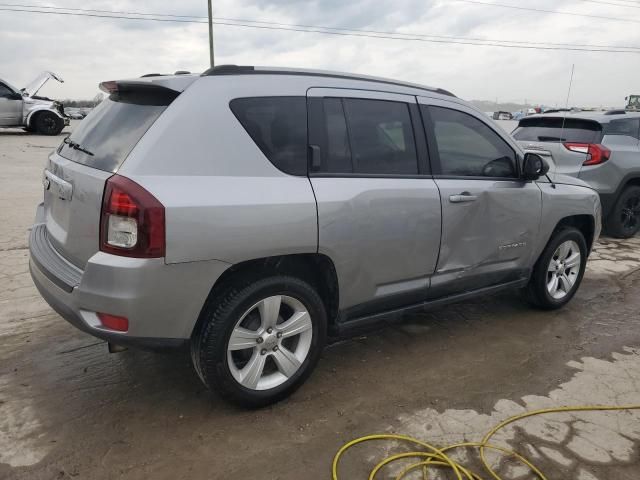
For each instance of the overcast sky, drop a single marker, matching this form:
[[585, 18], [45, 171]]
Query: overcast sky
[[85, 51]]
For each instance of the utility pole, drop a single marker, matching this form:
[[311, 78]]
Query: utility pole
[[210, 35]]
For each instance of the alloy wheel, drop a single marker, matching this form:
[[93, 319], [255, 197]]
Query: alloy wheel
[[563, 269], [270, 342], [630, 214]]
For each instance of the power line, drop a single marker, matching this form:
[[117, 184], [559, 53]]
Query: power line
[[540, 10], [600, 2], [297, 25], [318, 30]]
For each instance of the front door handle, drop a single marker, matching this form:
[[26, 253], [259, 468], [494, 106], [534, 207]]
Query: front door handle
[[463, 197]]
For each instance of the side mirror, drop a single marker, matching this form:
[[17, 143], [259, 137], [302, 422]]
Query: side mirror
[[534, 167]]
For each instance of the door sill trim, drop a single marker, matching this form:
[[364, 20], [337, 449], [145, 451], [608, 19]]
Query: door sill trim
[[394, 314]]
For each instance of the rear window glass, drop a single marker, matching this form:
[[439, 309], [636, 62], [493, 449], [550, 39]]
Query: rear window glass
[[108, 134], [629, 127], [278, 126], [558, 129]]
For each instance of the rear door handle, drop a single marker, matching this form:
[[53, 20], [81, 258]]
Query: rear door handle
[[463, 197]]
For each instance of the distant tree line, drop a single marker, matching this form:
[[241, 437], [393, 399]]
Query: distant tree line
[[83, 103]]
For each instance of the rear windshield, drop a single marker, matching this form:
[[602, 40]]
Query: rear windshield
[[108, 134], [558, 129]]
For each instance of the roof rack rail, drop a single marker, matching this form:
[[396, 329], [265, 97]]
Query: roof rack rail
[[151, 75], [615, 112], [182, 72], [248, 69]]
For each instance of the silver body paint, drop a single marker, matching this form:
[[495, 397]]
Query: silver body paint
[[392, 241]]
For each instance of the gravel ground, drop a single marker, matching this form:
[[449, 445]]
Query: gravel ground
[[69, 409]]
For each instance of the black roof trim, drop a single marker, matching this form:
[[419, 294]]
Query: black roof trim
[[616, 112], [250, 70], [228, 70]]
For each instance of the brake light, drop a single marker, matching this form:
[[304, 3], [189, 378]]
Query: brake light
[[113, 322], [132, 220], [596, 153]]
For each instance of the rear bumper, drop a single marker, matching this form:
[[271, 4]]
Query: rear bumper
[[162, 302]]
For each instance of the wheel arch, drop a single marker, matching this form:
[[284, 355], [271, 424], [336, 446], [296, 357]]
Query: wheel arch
[[631, 179], [33, 114], [584, 223], [316, 269]]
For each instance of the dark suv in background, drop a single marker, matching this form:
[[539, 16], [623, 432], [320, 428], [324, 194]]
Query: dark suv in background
[[602, 149]]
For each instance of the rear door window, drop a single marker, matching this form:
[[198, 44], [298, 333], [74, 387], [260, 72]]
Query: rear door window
[[558, 129], [629, 127], [278, 126], [381, 137], [104, 139], [337, 155], [369, 137]]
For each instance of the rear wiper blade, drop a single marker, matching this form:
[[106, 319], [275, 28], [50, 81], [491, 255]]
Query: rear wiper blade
[[76, 146]]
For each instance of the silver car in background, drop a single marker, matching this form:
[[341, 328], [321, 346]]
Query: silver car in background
[[251, 213], [23, 108], [603, 149]]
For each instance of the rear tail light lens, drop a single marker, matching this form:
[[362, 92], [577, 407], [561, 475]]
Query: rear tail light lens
[[596, 153], [114, 322], [132, 220]]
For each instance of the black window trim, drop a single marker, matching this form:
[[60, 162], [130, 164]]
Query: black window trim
[[436, 167], [315, 137]]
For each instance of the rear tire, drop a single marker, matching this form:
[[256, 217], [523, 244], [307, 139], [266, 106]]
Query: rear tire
[[246, 347], [48, 123], [559, 270], [624, 219]]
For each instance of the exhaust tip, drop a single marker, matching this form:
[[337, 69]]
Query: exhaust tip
[[113, 348]]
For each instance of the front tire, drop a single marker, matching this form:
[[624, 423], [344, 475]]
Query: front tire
[[559, 270], [48, 123], [624, 219], [260, 341]]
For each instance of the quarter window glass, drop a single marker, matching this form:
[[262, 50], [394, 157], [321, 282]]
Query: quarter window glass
[[468, 147], [381, 137], [278, 126], [337, 152], [628, 127]]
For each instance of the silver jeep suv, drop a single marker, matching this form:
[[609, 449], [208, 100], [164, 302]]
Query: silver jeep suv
[[603, 149], [251, 213]]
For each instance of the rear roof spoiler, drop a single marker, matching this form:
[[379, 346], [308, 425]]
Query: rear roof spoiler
[[178, 83]]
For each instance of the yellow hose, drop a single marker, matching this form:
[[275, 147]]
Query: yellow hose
[[431, 456]]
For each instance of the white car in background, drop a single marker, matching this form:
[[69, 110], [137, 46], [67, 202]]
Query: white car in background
[[22, 108]]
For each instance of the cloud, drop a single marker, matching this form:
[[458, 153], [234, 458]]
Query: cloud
[[86, 51]]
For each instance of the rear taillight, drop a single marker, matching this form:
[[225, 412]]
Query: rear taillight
[[132, 220], [595, 153]]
